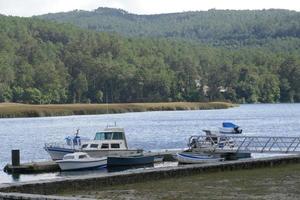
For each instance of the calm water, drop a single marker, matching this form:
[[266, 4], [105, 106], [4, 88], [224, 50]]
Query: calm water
[[148, 130]]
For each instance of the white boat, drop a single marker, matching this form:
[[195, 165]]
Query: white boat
[[109, 142], [58, 150], [191, 158], [80, 160]]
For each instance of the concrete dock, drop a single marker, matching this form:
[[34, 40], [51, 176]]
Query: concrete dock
[[55, 186], [32, 167], [51, 166]]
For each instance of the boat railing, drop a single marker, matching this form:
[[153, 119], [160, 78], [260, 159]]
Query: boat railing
[[61, 145], [249, 144]]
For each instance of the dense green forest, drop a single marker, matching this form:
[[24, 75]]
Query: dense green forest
[[45, 62], [217, 27]]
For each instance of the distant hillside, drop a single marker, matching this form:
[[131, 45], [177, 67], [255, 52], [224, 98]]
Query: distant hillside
[[43, 62], [219, 27]]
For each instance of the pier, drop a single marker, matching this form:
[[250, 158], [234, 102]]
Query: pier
[[244, 144], [32, 167], [52, 166], [55, 186]]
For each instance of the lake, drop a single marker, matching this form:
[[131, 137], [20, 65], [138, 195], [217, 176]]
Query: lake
[[147, 130]]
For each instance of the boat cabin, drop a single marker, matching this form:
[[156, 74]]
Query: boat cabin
[[108, 139], [76, 156]]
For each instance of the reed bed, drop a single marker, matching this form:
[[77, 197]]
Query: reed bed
[[10, 110]]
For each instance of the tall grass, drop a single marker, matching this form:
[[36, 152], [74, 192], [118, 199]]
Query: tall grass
[[8, 110]]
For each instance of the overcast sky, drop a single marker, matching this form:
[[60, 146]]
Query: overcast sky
[[37, 7]]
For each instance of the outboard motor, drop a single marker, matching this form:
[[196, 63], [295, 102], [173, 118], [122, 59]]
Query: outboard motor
[[238, 130]]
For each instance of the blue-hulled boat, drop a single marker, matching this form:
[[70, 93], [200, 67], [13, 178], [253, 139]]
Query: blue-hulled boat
[[129, 160], [227, 128], [230, 128]]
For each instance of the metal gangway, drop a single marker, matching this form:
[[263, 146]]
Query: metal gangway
[[244, 144]]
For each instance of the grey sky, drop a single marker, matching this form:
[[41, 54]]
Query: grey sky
[[37, 7]]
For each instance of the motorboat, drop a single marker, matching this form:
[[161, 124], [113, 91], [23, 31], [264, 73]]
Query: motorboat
[[227, 128], [230, 128], [80, 161], [129, 160], [192, 158], [109, 142], [72, 144], [213, 144]]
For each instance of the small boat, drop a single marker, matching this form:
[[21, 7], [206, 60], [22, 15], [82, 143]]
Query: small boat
[[227, 128], [80, 161], [190, 158], [230, 128], [129, 160]]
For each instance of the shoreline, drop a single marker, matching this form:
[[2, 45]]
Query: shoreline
[[16, 110]]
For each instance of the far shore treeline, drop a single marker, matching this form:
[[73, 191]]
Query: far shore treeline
[[43, 62]]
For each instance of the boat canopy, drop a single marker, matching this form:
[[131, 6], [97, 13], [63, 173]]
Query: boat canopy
[[229, 125]]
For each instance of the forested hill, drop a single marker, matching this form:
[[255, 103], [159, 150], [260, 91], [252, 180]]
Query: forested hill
[[46, 62], [218, 27]]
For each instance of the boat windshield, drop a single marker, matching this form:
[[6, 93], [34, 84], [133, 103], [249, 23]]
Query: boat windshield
[[69, 157], [109, 136], [82, 156]]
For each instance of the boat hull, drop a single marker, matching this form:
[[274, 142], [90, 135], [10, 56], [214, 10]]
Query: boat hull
[[158, 159], [82, 164], [57, 153], [196, 159], [129, 161], [106, 153]]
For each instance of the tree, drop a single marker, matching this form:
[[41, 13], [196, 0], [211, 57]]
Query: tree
[[289, 73], [99, 96], [33, 95], [80, 87], [269, 87], [5, 93]]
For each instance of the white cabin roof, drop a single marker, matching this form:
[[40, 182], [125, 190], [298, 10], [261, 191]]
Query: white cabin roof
[[113, 129]]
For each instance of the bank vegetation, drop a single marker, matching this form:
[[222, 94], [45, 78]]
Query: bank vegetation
[[8, 110]]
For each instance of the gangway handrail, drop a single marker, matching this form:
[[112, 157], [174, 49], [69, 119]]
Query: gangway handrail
[[245, 144]]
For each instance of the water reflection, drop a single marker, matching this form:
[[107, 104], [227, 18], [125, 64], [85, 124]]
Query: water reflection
[[15, 177], [83, 172], [124, 168]]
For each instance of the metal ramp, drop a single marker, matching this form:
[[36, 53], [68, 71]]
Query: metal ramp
[[244, 144]]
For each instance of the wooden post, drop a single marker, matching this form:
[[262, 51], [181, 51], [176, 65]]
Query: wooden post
[[15, 157]]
